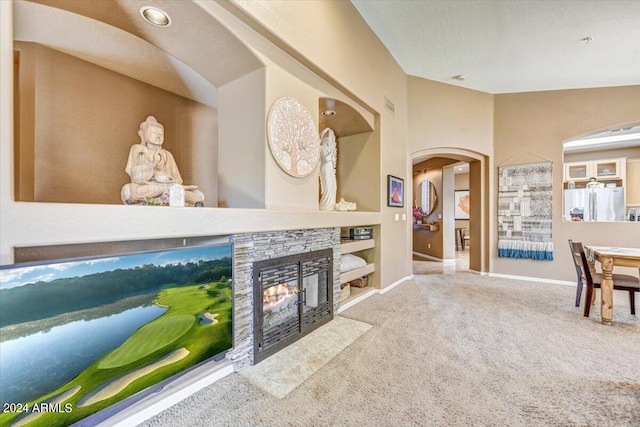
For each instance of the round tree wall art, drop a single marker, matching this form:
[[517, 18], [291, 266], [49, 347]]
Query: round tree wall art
[[293, 137]]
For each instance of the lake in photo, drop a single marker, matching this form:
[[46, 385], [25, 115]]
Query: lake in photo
[[39, 363]]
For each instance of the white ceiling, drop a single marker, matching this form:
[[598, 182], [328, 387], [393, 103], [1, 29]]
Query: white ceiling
[[512, 46]]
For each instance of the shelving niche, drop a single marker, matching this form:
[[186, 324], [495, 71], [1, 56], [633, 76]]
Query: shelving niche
[[365, 249]]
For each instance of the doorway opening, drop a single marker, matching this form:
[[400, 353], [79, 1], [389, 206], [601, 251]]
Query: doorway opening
[[455, 232]]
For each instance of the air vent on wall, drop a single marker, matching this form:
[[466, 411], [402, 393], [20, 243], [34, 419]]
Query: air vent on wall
[[389, 105]]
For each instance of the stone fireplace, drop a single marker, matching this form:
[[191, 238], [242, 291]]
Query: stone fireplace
[[298, 286], [293, 295]]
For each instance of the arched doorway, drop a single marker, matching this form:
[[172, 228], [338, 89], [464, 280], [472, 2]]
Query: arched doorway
[[479, 206]]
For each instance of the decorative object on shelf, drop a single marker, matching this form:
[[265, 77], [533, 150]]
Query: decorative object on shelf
[[344, 206], [154, 171], [462, 204], [434, 226], [593, 183], [293, 137], [360, 282], [418, 215], [525, 211], [176, 195], [395, 191], [328, 161], [358, 233], [345, 291]]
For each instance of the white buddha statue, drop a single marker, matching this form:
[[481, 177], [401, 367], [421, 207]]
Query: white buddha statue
[[153, 171]]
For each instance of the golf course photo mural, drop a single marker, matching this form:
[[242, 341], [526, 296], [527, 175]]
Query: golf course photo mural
[[80, 335]]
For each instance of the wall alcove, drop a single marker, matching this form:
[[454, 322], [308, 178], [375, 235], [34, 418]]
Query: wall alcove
[[358, 169], [88, 73]]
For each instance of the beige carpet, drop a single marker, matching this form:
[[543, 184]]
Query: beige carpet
[[279, 374], [453, 350]]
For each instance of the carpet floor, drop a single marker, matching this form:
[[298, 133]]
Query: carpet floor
[[453, 350]]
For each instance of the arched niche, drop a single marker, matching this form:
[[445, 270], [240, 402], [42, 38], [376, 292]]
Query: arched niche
[[358, 141], [88, 73]]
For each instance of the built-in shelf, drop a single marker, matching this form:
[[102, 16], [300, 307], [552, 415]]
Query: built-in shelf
[[349, 246], [366, 250], [358, 272]]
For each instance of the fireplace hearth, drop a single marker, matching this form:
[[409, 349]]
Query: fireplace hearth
[[293, 295]]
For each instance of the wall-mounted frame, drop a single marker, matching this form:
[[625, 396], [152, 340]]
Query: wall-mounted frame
[[462, 200], [395, 191]]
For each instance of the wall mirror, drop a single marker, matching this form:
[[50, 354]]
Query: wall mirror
[[602, 175], [426, 197]]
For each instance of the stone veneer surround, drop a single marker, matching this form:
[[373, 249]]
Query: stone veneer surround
[[251, 247]]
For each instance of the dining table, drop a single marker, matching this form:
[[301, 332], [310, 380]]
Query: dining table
[[609, 257]]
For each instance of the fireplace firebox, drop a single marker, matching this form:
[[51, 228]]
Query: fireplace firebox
[[293, 295]]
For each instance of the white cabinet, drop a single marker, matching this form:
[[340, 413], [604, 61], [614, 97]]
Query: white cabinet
[[602, 170], [608, 169], [577, 171]]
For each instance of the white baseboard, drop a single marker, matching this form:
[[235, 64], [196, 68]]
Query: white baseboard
[[363, 297], [356, 300], [530, 279], [394, 284], [429, 257]]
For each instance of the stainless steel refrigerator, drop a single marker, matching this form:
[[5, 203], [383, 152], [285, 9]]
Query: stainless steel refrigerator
[[594, 204]]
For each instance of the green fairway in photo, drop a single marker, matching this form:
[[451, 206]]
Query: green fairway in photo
[[149, 338]]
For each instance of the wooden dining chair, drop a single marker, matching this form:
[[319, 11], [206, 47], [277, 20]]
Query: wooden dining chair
[[466, 238], [621, 282], [579, 283]]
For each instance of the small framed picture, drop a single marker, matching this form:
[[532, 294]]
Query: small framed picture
[[395, 191], [461, 207]]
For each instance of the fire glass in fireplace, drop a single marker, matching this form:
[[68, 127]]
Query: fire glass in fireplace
[[293, 296]]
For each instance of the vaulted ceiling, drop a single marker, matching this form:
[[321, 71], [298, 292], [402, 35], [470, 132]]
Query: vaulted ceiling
[[506, 46]]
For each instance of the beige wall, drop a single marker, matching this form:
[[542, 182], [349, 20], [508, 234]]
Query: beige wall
[[535, 124], [456, 122], [358, 170], [241, 169], [442, 115]]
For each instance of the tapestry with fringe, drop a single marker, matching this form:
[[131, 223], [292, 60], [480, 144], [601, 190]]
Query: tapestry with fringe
[[525, 211]]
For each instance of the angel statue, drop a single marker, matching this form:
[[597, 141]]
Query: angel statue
[[328, 160]]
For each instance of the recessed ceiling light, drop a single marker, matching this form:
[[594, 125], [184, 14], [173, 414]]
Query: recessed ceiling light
[[459, 77], [328, 113], [155, 16]]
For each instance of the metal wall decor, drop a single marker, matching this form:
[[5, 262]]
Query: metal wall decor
[[293, 137]]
